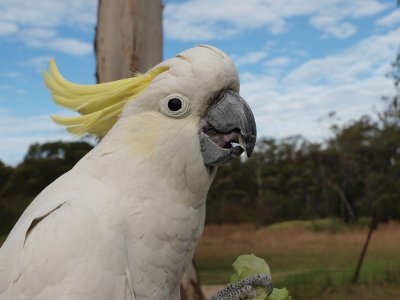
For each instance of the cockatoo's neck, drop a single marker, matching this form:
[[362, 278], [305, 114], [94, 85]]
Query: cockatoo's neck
[[152, 148]]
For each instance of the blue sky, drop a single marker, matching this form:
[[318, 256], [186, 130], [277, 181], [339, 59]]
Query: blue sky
[[298, 60]]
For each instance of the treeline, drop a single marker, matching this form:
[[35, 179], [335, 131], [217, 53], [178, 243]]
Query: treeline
[[354, 174]]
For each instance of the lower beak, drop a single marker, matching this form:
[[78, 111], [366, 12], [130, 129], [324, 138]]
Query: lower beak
[[228, 121]]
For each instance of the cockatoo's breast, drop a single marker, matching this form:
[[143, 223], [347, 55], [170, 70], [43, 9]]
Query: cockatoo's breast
[[162, 245], [160, 208]]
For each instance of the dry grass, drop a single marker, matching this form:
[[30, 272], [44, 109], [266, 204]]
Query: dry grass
[[244, 238], [303, 260]]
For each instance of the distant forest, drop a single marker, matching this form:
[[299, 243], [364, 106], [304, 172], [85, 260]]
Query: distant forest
[[352, 175]]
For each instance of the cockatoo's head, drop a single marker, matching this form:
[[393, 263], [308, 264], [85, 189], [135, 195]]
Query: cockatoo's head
[[194, 94]]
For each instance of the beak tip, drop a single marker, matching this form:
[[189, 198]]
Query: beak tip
[[251, 142], [249, 152]]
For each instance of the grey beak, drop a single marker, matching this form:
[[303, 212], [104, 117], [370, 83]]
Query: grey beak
[[230, 118]]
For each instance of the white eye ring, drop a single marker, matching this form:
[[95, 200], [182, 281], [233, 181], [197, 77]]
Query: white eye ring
[[174, 105]]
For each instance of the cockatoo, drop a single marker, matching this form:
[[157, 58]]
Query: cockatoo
[[124, 222]]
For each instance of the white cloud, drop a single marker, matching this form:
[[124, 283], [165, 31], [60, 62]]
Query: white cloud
[[39, 63], [331, 26], [36, 35], [282, 111], [49, 13], [47, 39], [363, 59], [390, 19], [277, 61], [70, 46], [7, 28], [17, 133], [350, 83], [194, 20], [249, 58], [37, 23]]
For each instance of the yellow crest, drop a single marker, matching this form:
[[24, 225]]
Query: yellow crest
[[100, 105]]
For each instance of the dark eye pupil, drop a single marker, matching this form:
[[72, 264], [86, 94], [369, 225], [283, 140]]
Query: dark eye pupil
[[174, 104]]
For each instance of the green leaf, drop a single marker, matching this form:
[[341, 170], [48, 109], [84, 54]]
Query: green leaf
[[247, 265], [279, 294]]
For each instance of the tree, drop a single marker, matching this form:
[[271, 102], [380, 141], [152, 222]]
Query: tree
[[128, 37], [5, 173], [383, 181], [42, 164]]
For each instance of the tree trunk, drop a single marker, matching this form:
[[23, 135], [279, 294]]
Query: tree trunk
[[372, 227], [128, 40], [343, 198], [128, 37]]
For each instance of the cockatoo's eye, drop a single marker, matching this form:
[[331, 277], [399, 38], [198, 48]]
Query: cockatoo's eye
[[174, 106]]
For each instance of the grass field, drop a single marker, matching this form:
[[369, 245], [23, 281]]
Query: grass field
[[311, 261]]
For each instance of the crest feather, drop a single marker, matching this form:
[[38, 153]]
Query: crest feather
[[100, 105]]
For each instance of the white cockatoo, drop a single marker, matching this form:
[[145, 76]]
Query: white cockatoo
[[125, 221]]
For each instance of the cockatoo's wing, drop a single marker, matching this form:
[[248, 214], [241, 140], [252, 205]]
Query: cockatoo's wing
[[59, 249]]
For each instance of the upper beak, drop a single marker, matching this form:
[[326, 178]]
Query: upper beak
[[230, 118]]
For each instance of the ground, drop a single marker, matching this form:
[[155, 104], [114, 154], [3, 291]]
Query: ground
[[313, 261]]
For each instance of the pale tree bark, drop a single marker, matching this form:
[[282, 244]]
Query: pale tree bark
[[343, 198], [128, 37], [128, 40]]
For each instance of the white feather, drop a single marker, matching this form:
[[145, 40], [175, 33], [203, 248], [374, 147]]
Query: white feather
[[125, 221]]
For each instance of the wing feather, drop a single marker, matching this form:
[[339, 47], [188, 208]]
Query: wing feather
[[60, 250]]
